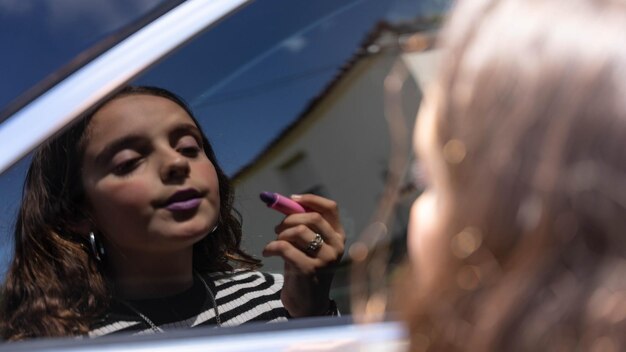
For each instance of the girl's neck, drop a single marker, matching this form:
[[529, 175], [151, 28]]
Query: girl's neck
[[141, 276]]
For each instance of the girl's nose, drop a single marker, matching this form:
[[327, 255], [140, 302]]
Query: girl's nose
[[175, 167]]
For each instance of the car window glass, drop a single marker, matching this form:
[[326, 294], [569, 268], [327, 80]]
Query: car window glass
[[291, 96], [42, 40]]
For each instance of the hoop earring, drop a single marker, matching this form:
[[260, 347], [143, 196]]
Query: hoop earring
[[214, 228], [97, 249]]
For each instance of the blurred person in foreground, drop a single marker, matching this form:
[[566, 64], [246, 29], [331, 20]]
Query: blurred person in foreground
[[518, 242]]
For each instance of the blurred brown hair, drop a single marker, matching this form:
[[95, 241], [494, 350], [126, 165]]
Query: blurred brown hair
[[534, 92]]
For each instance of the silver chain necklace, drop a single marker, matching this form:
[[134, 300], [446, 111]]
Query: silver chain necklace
[[157, 329]]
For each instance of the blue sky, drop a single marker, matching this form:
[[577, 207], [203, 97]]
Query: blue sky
[[246, 79]]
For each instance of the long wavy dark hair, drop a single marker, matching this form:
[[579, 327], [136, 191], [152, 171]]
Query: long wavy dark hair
[[55, 286]]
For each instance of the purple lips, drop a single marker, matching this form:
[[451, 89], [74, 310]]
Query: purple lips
[[184, 205], [184, 200]]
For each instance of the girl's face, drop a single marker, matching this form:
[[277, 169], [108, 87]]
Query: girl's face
[[149, 185], [427, 245]]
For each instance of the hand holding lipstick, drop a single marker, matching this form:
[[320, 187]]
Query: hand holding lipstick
[[310, 219]]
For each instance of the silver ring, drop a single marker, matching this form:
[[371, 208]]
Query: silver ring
[[316, 243]]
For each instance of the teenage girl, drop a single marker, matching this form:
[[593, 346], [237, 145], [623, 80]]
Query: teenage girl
[[127, 224]]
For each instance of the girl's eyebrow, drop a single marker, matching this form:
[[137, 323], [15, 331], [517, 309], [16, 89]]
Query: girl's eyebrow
[[117, 145], [185, 128]]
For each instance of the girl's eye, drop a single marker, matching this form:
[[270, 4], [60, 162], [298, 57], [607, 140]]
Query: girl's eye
[[188, 146], [125, 162], [126, 167]]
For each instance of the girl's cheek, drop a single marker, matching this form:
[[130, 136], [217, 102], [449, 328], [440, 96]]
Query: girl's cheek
[[123, 193], [206, 171]]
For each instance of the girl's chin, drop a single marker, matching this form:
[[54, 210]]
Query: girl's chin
[[191, 234], [188, 234]]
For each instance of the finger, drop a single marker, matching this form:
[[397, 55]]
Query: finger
[[292, 256], [295, 258], [316, 223], [327, 207], [300, 236], [303, 238]]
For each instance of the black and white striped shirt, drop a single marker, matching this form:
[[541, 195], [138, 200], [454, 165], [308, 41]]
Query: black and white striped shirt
[[241, 296]]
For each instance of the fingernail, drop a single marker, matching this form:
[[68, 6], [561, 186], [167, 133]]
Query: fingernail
[[296, 196]]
